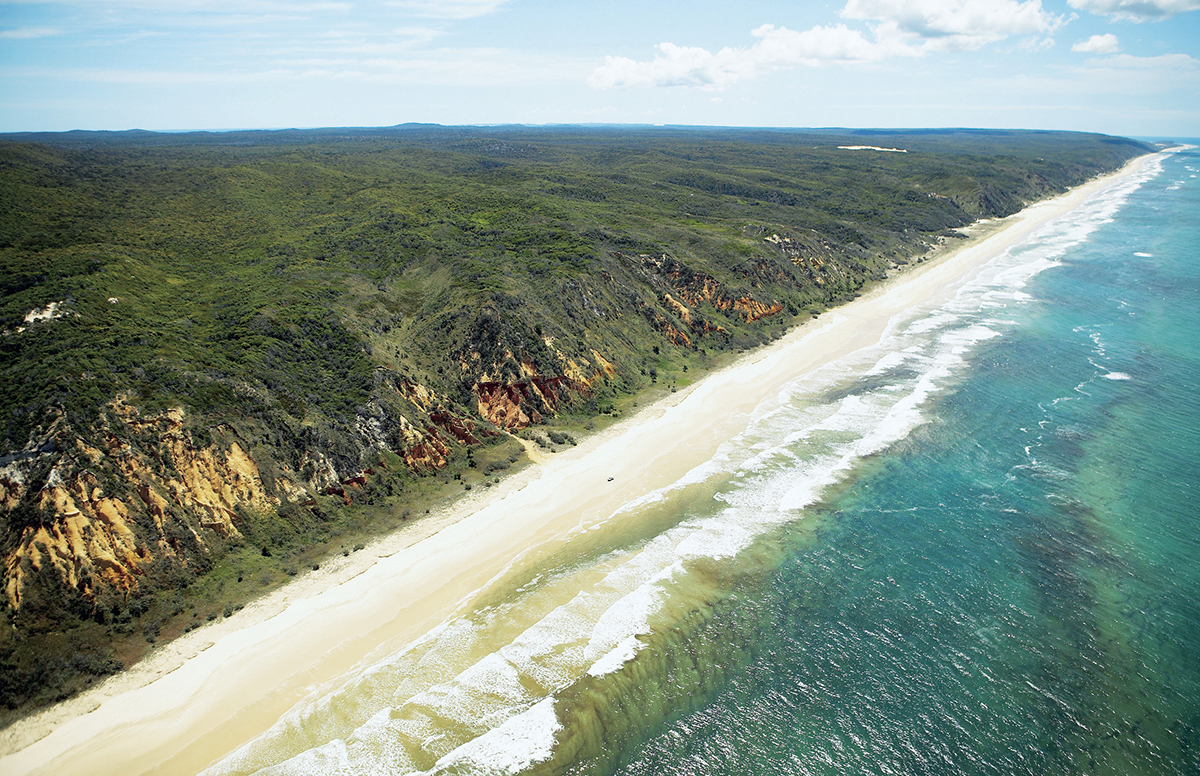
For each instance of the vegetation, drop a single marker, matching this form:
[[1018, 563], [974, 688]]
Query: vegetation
[[394, 301]]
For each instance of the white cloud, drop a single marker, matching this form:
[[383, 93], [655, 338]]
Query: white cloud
[[781, 47], [1180, 62], [898, 27], [1098, 44], [778, 48], [211, 6], [1125, 74], [436, 67], [448, 9], [1137, 10], [356, 42], [1035, 44], [472, 67], [950, 25], [28, 33]]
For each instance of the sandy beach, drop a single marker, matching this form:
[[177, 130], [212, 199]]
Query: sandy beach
[[208, 692]]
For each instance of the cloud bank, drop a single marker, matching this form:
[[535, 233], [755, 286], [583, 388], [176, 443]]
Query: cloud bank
[[28, 33], [952, 25], [778, 48], [898, 28], [448, 9], [1136, 10], [1098, 44]]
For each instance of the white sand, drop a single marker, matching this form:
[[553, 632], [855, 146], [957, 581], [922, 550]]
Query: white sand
[[873, 148], [217, 687]]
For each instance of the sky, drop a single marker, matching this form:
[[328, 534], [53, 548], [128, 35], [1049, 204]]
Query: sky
[[1122, 67]]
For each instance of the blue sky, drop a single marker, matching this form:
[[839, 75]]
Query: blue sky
[[1128, 67]]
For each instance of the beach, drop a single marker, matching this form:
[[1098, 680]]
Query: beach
[[212, 690]]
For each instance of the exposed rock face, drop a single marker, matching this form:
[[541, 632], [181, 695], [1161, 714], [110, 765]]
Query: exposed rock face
[[171, 487], [604, 367], [418, 395], [516, 405], [53, 311], [89, 541], [513, 389], [209, 481], [424, 442], [819, 261], [694, 288], [12, 485], [459, 428], [422, 448], [668, 329], [681, 311], [176, 484]]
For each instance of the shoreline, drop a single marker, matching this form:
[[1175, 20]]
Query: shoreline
[[203, 694]]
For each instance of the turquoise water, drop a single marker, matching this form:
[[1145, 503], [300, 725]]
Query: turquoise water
[[1015, 587], [969, 550]]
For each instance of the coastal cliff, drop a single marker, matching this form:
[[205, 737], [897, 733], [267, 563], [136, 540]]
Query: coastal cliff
[[226, 357]]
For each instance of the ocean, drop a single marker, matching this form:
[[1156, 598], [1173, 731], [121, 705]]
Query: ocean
[[971, 549]]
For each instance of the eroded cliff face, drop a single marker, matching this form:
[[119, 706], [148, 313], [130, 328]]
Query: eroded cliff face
[[98, 507], [168, 487], [513, 392], [88, 542], [424, 430], [515, 404], [695, 288], [211, 481]]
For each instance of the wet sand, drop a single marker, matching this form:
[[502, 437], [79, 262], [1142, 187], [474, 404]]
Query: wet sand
[[217, 687]]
